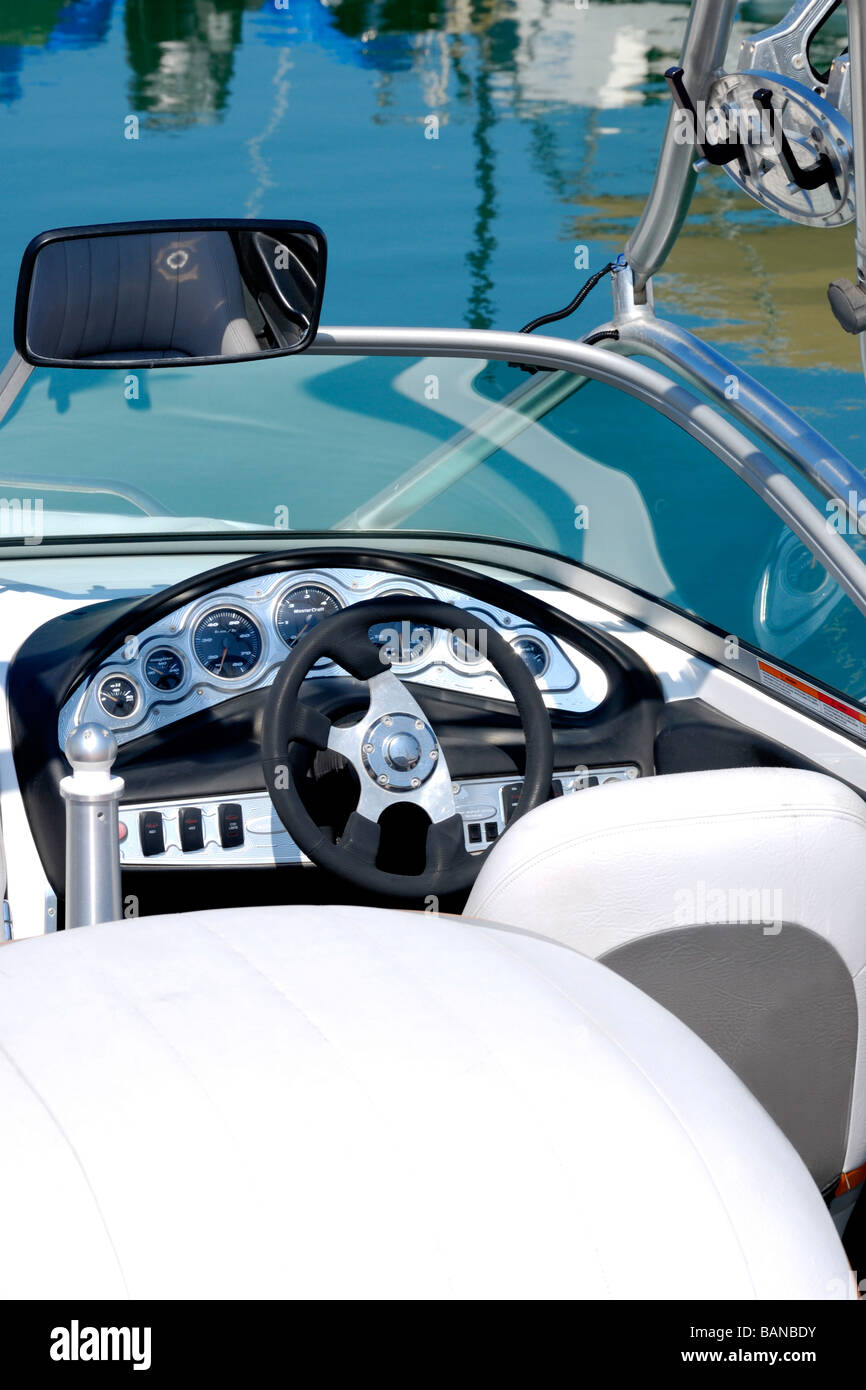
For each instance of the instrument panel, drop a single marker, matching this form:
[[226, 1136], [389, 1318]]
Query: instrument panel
[[235, 639]]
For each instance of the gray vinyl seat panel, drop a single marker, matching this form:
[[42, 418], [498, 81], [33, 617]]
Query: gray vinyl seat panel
[[352, 1102], [735, 898], [145, 295]]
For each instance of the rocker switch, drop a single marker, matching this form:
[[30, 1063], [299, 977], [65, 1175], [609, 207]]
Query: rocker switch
[[151, 833], [191, 831], [231, 821]]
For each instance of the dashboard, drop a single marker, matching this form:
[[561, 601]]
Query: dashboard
[[181, 676], [235, 639]]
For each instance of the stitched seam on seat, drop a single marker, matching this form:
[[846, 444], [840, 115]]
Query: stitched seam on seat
[[586, 838]]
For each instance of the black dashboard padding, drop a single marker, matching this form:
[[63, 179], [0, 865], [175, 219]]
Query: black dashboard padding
[[55, 659], [694, 737]]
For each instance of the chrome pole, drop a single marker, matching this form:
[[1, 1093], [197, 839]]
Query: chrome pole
[[857, 50], [92, 847], [708, 34]]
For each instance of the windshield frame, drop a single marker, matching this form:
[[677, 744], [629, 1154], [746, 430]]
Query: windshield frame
[[675, 402]]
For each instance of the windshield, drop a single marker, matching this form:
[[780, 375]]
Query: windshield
[[362, 444]]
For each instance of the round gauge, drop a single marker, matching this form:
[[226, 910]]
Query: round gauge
[[470, 645], [533, 654], [163, 668], [401, 640], [227, 643], [302, 608], [118, 696]]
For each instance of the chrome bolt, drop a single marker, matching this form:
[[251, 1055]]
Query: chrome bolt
[[383, 779], [368, 747], [388, 720], [434, 753], [416, 781], [419, 723]]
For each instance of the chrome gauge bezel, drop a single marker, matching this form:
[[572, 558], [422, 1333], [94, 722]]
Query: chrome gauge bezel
[[519, 637], [195, 622], [293, 587], [426, 658], [157, 647], [117, 674]]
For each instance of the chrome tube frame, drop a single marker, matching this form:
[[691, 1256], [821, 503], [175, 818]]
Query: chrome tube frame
[[677, 404], [740, 395], [707, 36]]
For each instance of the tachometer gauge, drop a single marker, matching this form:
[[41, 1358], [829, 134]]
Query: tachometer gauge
[[227, 643], [118, 696], [163, 669], [533, 654], [302, 608]]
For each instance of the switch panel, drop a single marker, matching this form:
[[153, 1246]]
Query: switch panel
[[487, 804], [247, 831]]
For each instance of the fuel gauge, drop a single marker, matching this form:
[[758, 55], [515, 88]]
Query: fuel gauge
[[118, 696]]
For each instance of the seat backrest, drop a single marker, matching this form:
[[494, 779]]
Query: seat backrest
[[735, 898]]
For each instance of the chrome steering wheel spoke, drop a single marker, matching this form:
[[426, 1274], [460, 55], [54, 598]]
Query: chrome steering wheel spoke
[[395, 753]]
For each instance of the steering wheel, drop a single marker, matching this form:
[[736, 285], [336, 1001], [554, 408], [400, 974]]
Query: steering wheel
[[394, 751]]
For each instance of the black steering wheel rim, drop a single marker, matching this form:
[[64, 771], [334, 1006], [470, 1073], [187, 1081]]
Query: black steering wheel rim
[[343, 637]]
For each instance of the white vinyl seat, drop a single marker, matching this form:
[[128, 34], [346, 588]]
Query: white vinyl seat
[[735, 898], [340, 1102]]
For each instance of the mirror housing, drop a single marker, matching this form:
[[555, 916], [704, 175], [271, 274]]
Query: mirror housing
[[169, 294]]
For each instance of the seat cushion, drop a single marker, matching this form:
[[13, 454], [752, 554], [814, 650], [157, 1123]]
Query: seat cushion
[[350, 1102]]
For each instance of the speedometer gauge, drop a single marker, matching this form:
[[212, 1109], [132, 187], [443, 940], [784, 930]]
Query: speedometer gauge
[[227, 643], [302, 608]]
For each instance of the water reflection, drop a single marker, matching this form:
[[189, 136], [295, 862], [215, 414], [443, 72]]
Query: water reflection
[[182, 55], [46, 25], [534, 87]]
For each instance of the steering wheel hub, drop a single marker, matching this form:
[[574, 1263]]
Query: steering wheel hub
[[399, 751], [396, 757]]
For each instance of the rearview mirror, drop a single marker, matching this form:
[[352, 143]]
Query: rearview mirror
[[169, 294]]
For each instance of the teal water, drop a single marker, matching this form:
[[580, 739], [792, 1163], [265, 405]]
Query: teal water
[[549, 119]]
